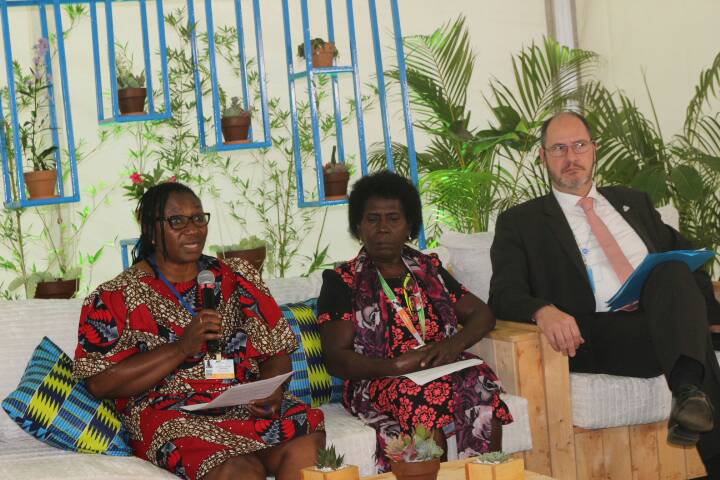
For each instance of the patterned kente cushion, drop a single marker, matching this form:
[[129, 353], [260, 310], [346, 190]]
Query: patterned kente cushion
[[49, 405], [311, 381]]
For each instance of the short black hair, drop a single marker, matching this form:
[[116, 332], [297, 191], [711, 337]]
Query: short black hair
[[546, 124], [388, 185], [149, 208]]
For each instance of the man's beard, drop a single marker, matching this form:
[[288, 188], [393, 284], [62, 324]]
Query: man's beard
[[572, 184]]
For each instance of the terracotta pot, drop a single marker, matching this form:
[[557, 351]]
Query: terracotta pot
[[348, 472], [322, 57], [336, 184], [235, 129], [131, 101], [41, 184], [256, 256], [57, 289], [427, 470]]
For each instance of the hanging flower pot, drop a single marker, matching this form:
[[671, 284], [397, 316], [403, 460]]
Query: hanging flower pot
[[57, 289], [41, 184], [322, 52], [235, 128], [336, 184], [252, 249], [131, 101], [425, 470], [322, 57], [335, 179]]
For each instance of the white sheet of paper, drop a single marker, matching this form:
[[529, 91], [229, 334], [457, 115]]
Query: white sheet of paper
[[243, 393], [422, 377]]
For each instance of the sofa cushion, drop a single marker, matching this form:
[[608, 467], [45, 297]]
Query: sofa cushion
[[49, 405], [311, 381], [469, 259], [604, 401]]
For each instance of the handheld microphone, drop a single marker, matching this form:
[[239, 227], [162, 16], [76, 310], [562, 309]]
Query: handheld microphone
[[206, 283]]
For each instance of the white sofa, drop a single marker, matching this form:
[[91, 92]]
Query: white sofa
[[24, 323]]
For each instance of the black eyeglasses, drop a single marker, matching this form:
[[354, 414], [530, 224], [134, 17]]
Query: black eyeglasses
[[178, 222], [561, 149]]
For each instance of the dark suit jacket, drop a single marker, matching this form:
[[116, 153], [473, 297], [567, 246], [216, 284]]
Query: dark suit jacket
[[536, 261]]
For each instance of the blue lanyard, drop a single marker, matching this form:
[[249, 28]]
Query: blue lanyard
[[181, 299]]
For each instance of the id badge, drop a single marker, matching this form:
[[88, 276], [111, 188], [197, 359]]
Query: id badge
[[219, 368]]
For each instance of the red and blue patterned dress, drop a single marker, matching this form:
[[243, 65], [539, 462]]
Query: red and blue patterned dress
[[137, 312], [467, 400]]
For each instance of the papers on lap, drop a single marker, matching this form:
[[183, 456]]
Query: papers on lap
[[629, 292], [424, 376], [243, 393]]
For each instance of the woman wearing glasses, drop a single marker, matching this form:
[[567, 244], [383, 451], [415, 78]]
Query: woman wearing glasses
[[143, 341]]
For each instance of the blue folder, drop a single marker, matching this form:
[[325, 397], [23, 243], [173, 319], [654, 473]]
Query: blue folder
[[630, 291]]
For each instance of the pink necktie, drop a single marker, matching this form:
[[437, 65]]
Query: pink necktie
[[615, 255]]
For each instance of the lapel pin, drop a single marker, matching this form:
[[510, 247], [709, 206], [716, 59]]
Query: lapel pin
[[625, 208]]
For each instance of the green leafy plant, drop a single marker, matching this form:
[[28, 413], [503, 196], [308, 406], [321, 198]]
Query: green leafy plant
[[468, 173], [683, 170], [493, 458], [248, 243], [315, 44], [126, 78], [417, 447], [235, 109], [328, 459], [34, 97]]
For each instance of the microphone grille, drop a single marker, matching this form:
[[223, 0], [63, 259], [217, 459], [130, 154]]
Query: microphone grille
[[205, 277]]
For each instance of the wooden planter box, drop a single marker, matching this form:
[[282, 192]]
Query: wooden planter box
[[348, 472], [510, 470]]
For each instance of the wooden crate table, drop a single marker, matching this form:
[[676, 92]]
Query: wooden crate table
[[455, 470]]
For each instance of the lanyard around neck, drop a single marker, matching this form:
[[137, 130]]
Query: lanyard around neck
[[171, 287], [403, 312]]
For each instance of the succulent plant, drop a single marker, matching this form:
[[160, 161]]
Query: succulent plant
[[235, 109], [328, 459], [418, 447], [315, 44], [492, 457], [334, 166], [127, 79]]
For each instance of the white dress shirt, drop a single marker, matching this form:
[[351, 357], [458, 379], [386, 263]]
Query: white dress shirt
[[602, 276]]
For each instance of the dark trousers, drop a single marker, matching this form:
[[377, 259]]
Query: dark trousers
[[671, 321]]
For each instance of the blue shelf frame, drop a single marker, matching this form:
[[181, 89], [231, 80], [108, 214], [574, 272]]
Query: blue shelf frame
[[15, 191], [309, 73], [117, 117], [125, 246], [219, 145]]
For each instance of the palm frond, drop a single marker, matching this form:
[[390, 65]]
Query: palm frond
[[708, 87]]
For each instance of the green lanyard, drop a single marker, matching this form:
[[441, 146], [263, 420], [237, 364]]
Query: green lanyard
[[403, 312]]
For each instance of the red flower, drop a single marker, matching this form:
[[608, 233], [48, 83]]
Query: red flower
[[172, 179], [136, 178], [424, 415], [437, 392]]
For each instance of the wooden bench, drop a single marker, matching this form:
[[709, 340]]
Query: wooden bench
[[530, 368]]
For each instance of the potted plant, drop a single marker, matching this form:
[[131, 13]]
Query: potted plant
[[235, 122], [323, 52], [330, 466], [335, 178], [252, 249], [33, 90], [414, 457], [495, 466], [48, 285], [131, 87]]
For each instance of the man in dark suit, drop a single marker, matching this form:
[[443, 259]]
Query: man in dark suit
[[557, 259]]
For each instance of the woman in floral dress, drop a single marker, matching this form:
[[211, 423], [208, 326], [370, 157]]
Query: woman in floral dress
[[393, 310]]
